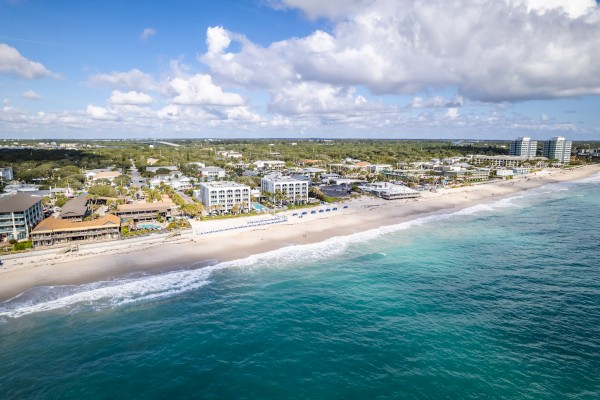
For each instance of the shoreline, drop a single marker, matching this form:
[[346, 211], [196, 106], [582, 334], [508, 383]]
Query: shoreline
[[155, 255]]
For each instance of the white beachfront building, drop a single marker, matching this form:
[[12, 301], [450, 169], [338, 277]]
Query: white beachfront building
[[523, 146], [295, 190], [223, 196], [558, 148]]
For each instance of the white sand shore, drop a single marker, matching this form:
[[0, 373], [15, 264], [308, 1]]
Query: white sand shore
[[160, 254]]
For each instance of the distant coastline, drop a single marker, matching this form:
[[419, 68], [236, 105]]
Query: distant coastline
[[155, 255]]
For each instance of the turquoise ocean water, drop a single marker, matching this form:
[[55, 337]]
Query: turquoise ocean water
[[498, 301]]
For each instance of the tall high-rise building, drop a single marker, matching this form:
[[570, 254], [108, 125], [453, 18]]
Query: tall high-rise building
[[523, 146], [558, 148]]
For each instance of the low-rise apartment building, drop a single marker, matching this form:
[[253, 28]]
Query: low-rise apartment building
[[52, 231], [144, 212]]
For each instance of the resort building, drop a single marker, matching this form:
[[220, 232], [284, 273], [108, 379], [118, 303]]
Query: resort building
[[144, 212], [558, 148], [212, 172], [75, 209], [389, 191], [481, 174], [19, 214], [507, 161], [504, 173], [524, 147], [224, 196], [53, 231], [293, 190]]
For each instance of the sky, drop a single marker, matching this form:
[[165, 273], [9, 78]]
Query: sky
[[481, 69]]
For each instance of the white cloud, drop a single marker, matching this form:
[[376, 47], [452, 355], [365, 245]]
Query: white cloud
[[13, 63], [313, 98], [486, 50], [452, 113], [217, 39], [133, 79], [574, 8], [31, 95], [319, 8], [96, 112], [147, 33], [436, 101], [200, 90], [130, 98]]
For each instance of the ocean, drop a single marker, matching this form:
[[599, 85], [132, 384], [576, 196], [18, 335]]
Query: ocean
[[497, 301]]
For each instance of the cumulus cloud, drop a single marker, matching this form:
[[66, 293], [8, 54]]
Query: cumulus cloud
[[130, 98], [133, 80], [486, 50], [96, 112], [436, 101], [31, 95], [313, 98], [13, 63], [199, 89], [452, 113], [318, 8], [147, 33]]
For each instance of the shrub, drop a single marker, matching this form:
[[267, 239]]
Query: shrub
[[23, 245]]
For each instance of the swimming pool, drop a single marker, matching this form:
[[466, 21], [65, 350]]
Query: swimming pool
[[258, 207], [149, 226]]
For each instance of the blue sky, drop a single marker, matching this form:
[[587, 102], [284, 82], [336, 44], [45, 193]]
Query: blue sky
[[300, 68]]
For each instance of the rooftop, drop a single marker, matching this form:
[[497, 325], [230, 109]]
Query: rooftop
[[75, 207], [162, 206], [17, 202], [224, 185], [52, 224]]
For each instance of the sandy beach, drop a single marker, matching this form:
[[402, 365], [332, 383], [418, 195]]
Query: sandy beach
[[159, 254]]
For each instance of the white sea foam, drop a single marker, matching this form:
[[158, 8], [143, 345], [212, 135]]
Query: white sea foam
[[126, 291]]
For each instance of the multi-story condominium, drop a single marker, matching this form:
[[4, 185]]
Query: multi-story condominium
[[523, 146], [223, 196], [19, 214], [53, 231], [294, 190], [6, 174], [558, 148]]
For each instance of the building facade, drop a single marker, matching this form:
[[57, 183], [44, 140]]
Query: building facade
[[144, 212], [524, 147], [52, 231], [294, 190], [6, 174], [558, 148], [224, 196], [212, 172], [19, 214]]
